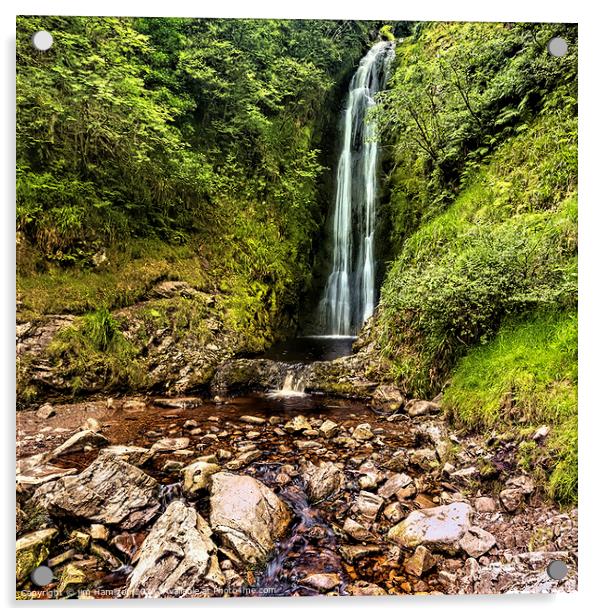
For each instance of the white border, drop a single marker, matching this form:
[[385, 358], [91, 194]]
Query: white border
[[583, 11]]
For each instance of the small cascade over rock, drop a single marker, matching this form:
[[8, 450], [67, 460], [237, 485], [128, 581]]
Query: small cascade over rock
[[293, 384]]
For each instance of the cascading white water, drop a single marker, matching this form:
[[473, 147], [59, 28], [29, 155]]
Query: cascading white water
[[350, 293], [293, 385]]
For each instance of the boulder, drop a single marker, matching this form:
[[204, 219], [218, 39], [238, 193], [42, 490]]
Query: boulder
[[477, 541], [110, 491], [78, 442], [322, 481], [197, 476], [387, 398], [437, 527], [178, 557], [248, 516], [416, 408], [31, 550], [34, 471]]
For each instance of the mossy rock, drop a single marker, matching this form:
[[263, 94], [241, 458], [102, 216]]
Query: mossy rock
[[31, 550]]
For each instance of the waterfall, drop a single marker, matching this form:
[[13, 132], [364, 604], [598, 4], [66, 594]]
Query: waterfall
[[293, 385], [350, 293]]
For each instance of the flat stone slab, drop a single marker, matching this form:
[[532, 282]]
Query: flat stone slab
[[436, 527]]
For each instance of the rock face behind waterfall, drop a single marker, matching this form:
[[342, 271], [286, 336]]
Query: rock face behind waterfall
[[248, 516]]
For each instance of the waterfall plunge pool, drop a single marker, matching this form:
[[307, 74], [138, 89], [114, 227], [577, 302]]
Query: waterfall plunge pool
[[306, 349]]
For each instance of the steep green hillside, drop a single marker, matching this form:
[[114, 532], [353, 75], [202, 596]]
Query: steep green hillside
[[481, 295]]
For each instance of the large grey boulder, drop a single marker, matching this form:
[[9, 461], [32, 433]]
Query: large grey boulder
[[322, 481], [110, 491], [247, 515], [178, 557], [437, 527]]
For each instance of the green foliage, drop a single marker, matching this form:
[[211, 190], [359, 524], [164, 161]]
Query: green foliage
[[94, 351], [525, 377]]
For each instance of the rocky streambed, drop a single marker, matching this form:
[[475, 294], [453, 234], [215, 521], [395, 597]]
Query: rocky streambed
[[272, 496]]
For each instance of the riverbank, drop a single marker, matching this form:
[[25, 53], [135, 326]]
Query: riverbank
[[346, 475]]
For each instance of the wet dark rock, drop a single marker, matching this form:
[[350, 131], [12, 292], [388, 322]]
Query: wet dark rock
[[110, 491], [248, 516], [178, 403], [178, 558], [322, 481]]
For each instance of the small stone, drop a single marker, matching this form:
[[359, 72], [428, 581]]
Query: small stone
[[357, 531], [405, 493], [323, 480], [78, 442], [352, 553], [416, 408], [172, 466], [251, 419], [425, 458], [511, 499], [394, 484], [393, 512], [190, 423], [46, 411], [541, 433], [244, 459], [369, 505], [485, 504], [523, 483], [420, 562], [92, 424], [170, 444], [465, 473], [71, 576], [387, 398], [365, 589], [398, 462], [329, 428], [322, 581], [197, 476], [367, 482], [477, 541], [99, 532], [297, 424], [363, 432]]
